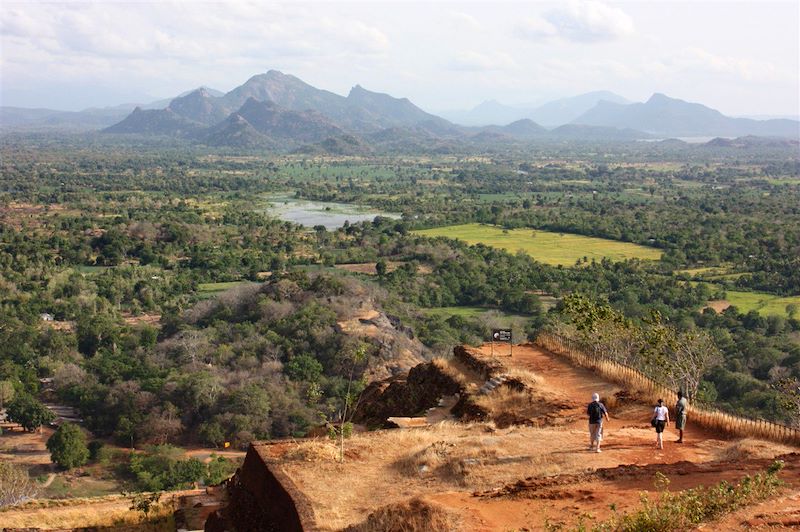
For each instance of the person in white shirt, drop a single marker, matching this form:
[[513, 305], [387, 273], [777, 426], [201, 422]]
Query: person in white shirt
[[660, 420]]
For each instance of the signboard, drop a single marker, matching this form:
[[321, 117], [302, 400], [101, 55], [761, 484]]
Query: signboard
[[501, 335]]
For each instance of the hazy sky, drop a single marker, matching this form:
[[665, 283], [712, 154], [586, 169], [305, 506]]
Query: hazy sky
[[739, 57]]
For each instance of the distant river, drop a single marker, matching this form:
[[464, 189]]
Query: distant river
[[310, 213]]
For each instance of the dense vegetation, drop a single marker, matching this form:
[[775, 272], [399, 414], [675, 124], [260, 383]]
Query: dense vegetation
[[114, 262]]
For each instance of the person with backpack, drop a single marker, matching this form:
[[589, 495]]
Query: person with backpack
[[659, 421], [596, 411]]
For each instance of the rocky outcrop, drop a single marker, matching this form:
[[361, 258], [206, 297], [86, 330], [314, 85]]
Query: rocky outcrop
[[262, 499], [484, 366], [406, 395]]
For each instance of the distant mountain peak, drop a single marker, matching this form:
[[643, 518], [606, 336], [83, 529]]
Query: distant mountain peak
[[665, 116], [358, 92], [660, 97]]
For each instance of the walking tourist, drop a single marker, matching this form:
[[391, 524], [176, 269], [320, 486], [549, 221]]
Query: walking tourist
[[597, 411], [660, 420], [680, 415]]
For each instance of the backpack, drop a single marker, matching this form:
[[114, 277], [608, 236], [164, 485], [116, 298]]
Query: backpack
[[595, 412]]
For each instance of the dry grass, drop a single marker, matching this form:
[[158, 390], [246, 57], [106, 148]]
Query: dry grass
[[528, 378], [112, 511], [312, 451], [383, 467], [508, 406], [750, 448], [451, 462], [506, 400], [448, 368], [414, 515]]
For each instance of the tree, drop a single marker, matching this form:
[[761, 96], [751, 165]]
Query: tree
[[67, 446], [303, 368], [694, 354], [355, 356], [6, 393], [160, 425], [29, 412], [15, 485], [789, 389], [381, 268]]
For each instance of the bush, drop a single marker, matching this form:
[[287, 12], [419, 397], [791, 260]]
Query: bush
[[160, 468], [67, 446], [218, 469], [304, 368], [94, 449], [29, 412], [685, 509]]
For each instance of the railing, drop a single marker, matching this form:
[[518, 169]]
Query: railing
[[651, 391]]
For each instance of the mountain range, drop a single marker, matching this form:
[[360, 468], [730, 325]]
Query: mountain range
[[665, 116], [551, 114], [280, 111]]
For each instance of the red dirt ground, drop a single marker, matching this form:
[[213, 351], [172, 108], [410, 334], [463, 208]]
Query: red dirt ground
[[624, 469]]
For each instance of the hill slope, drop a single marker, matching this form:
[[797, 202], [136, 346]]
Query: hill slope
[[161, 122], [662, 115]]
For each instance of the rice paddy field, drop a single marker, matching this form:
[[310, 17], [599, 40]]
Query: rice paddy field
[[544, 246], [764, 304]]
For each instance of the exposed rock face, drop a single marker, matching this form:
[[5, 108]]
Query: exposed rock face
[[398, 351], [406, 395], [262, 499]]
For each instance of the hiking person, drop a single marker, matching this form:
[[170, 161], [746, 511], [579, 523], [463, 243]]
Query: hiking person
[[596, 411], [680, 415], [660, 420]]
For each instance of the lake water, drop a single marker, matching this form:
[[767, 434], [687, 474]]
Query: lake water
[[310, 213]]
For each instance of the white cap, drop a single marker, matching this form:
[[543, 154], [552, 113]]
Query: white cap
[[595, 397]]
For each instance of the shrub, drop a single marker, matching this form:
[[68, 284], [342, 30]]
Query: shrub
[[67, 446], [685, 509], [161, 468], [218, 469], [95, 446], [29, 412], [415, 515]]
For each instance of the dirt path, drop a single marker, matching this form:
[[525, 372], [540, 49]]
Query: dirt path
[[531, 473], [628, 430], [624, 470]]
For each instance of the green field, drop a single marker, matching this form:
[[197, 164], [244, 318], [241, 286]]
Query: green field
[[544, 246], [207, 290], [464, 312], [765, 304]]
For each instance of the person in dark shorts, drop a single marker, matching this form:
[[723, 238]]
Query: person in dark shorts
[[596, 411], [680, 415], [660, 420]]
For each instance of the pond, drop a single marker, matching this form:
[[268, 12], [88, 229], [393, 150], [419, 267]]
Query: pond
[[329, 214]]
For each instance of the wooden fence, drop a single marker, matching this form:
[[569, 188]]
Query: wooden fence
[[650, 390]]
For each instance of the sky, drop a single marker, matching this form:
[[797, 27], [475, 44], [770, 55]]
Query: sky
[[742, 58]]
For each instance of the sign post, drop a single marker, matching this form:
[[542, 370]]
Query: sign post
[[502, 335]]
